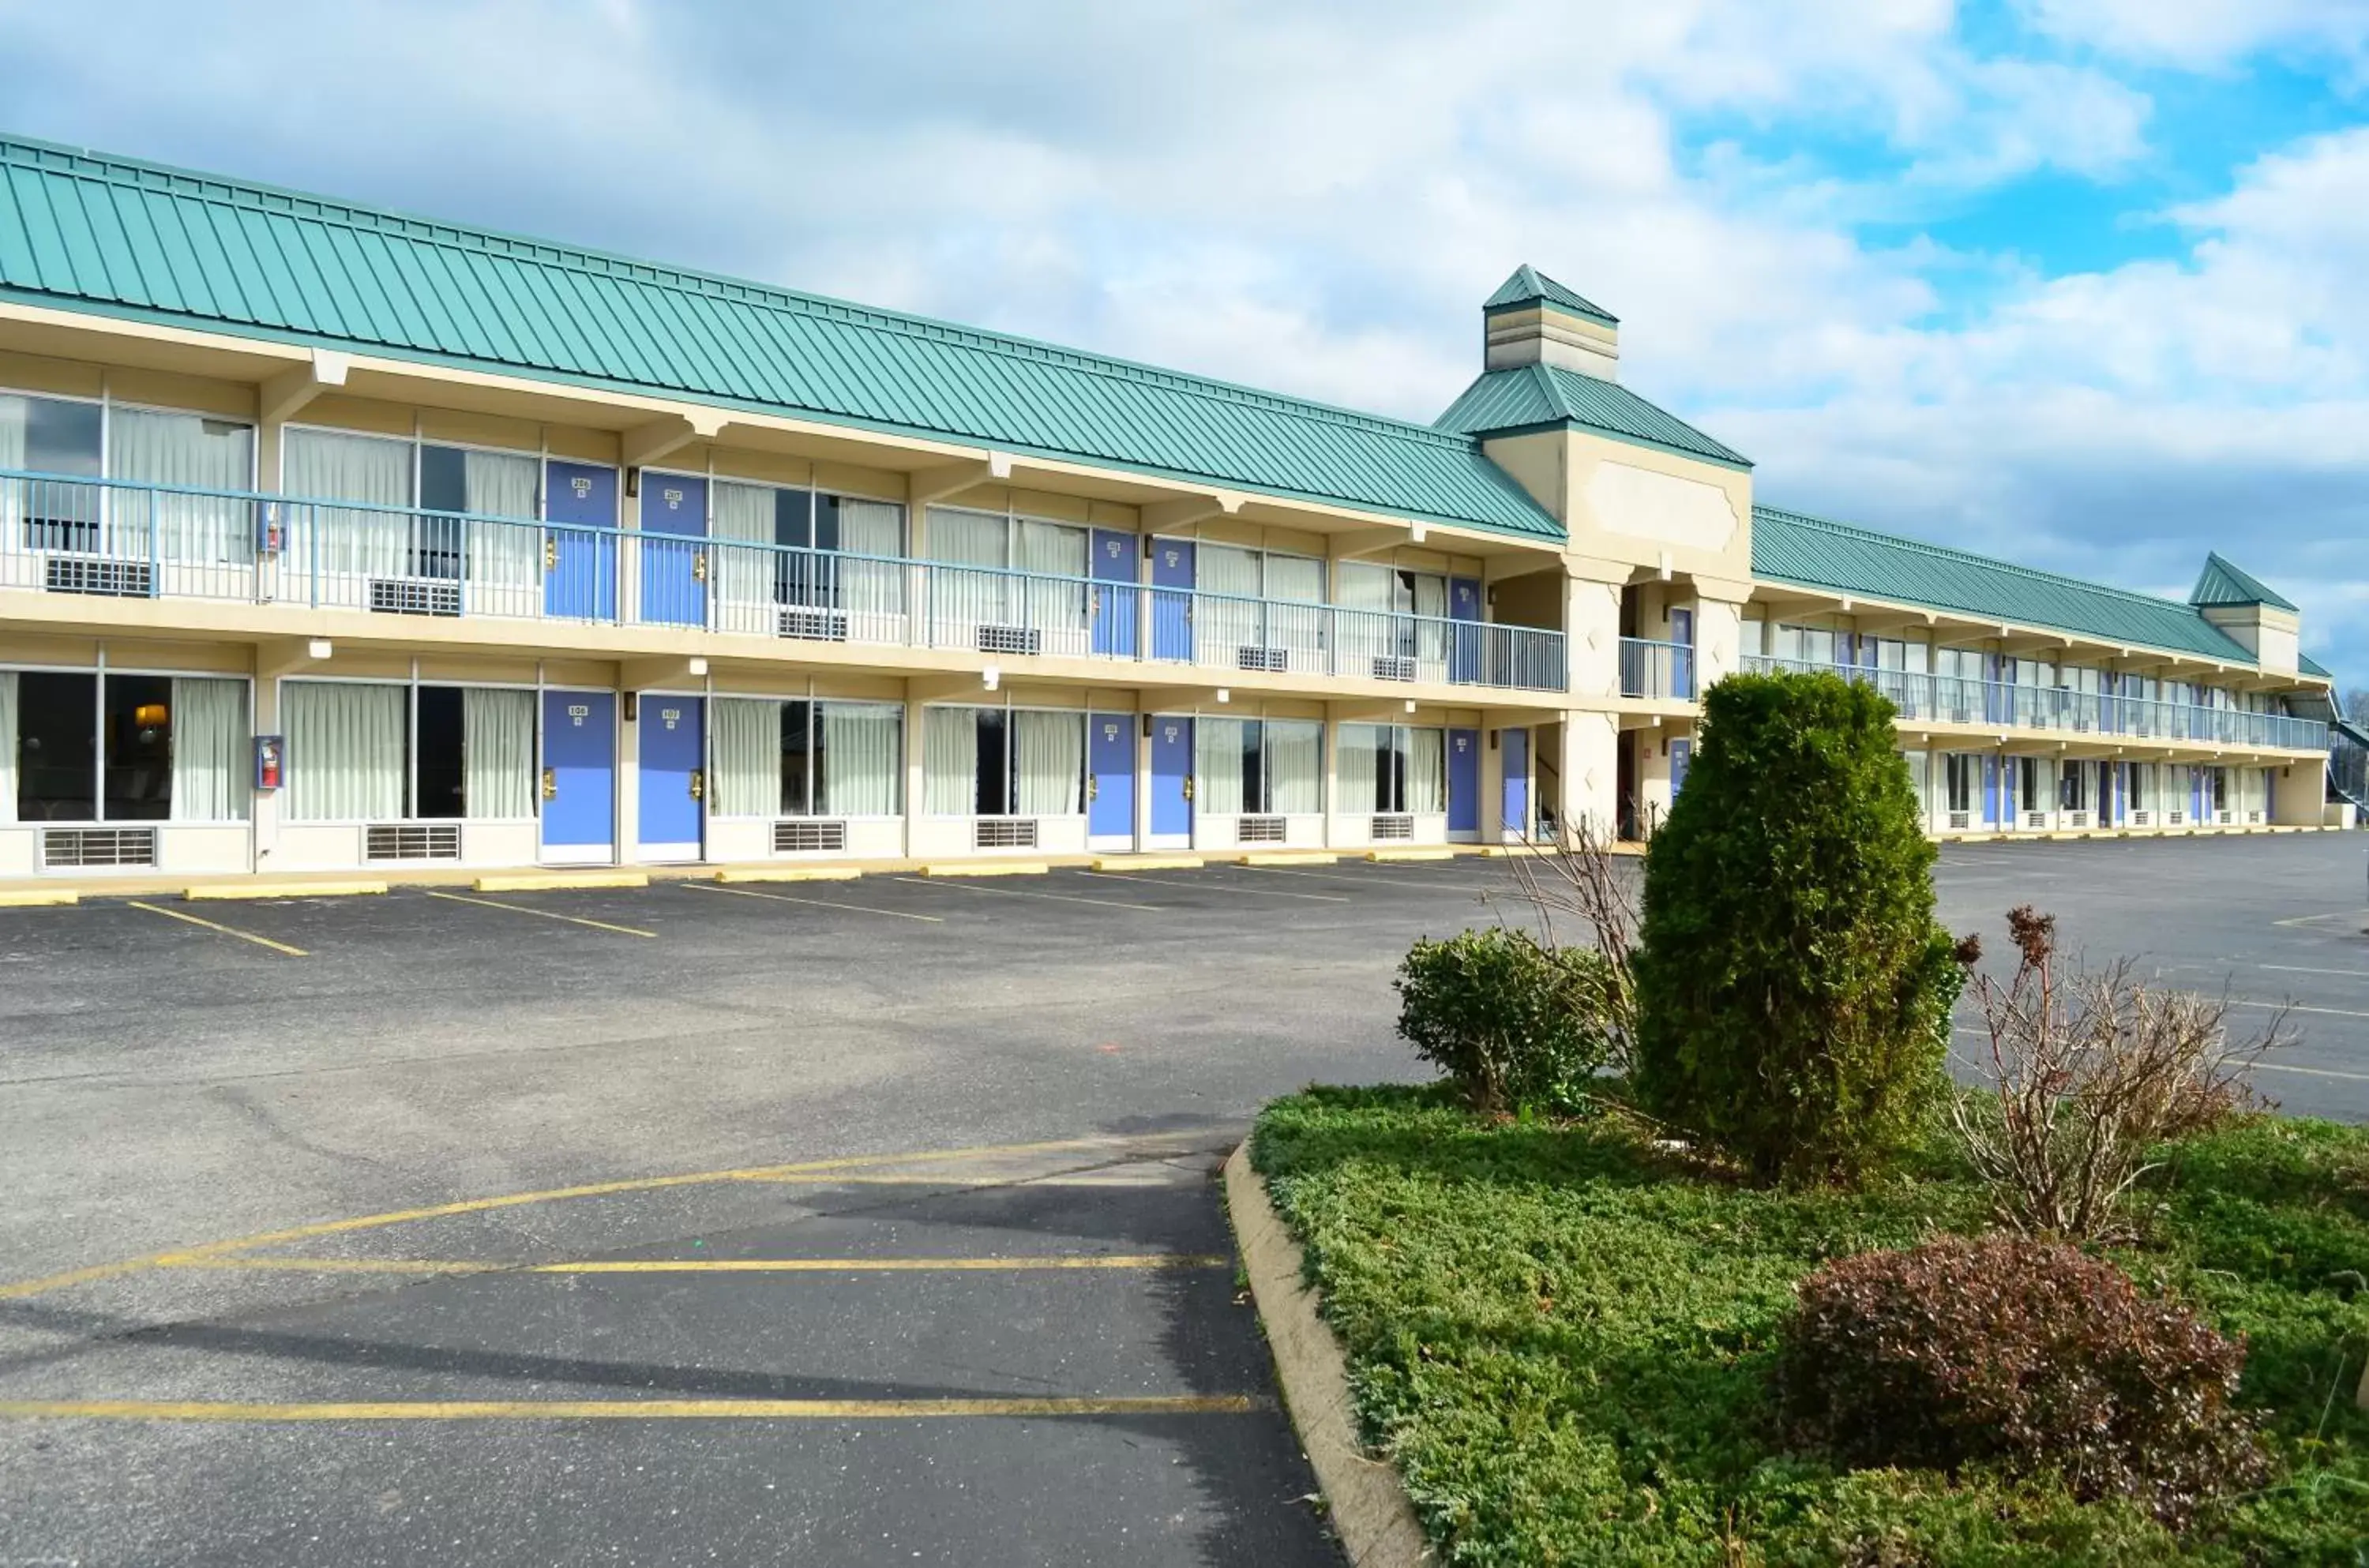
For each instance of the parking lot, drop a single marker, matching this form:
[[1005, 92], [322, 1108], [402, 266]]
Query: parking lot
[[848, 1222]]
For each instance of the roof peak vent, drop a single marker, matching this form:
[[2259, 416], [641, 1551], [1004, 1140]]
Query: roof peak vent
[[1533, 320]]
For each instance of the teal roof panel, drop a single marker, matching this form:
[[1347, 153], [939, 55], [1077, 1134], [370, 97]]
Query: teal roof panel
[[257, 261], [1529, 286], [1816, 552], [1538, 397], [2223, 583]]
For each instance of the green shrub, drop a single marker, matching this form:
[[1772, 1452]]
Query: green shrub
[[1515, 1024], [2027, 1357], [1794, 990]]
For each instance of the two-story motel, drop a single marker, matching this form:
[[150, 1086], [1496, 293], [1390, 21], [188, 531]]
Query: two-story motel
[[337, 539]]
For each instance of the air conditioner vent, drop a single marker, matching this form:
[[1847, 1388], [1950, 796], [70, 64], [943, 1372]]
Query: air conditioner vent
[[88, 574], [411, 841], [1961, 820], [814, 625], [1274, 661], [414, 596], [2077, 819], [2142, 819], [2035, 818], [1258, 831], [1393, 825], [2176, 818], [69, 848], [1011, 639], [806, 837], [1005, 834], [1393, 667]]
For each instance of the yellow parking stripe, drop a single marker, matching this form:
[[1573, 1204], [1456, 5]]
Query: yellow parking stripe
[[623, 1409], [225, 930], [546, 914], [714, 1266], [1029, 893], [818, 903], [1197, 886]]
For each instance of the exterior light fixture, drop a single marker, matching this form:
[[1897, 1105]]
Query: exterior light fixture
[[320, 648]]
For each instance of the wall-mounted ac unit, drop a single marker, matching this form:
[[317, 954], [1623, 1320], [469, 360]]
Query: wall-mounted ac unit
[[414, 596], [806, 837], [69, 848], [2035, 818], [1011, 639], [823, 625], [1275, 660], [1961, 820], [411, 841], [2076, 818], [1258, 830], [2253, 816], [1392, 825], [2221, 818], [1003, 833], [1393, 667], [92, 574], [2142, 819], [2175, 818]]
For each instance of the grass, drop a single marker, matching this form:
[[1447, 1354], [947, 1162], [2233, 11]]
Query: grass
[[1564, 1341]]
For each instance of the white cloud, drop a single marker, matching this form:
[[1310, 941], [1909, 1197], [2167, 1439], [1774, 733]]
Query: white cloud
[[2202, 34]]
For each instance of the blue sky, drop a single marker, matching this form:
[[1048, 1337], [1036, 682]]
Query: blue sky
[[2075, 281]]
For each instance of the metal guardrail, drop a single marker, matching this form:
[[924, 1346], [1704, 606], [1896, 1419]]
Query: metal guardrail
[[1657, 669], [124, 538], [1950, 699]]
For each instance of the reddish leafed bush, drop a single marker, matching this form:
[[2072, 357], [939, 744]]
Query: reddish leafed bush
[[2028, 1356]]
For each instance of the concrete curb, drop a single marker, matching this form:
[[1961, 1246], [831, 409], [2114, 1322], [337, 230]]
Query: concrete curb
[[1370, 1510]]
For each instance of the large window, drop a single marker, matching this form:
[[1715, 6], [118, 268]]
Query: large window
[[1961, 775], [1804, 645], [1392, 768], [782, 546], [806, 759], [979, 556], [383, 537], [1386, 598], [370, 752], [122, 747], [83, 439], [1259, 767], [1004, 762]]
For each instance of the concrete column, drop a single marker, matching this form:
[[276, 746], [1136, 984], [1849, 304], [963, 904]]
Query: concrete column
[[1590, 766], [1591, 622], [1719, 629], [915, 740]]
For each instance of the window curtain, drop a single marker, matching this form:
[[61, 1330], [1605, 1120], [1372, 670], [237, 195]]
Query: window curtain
[[748, 757], [1217, 771], [860, 759], [497, 753], [1431, 634], [950, 760], [965, 538], [1295, 766], [874, 589], [1367, 589], [1050, 750], [1235, 621], [1058, 609], [964, 599], [7, 731], [210, 748], [345, 756], [11, 491], [504, 559], [1353, 760], [182, 450], [1294, 585], [318, 466], [744, 559], [1427, 772]]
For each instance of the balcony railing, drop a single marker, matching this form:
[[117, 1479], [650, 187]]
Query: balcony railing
[[120, 538], [1995, 705], [1657, 669]]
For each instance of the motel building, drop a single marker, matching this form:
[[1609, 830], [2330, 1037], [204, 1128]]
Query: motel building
[[339, 540]]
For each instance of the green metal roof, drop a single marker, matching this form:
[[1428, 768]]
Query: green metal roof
[[2223, 583], [1529, 286], [1815, 553], [137, 240], [2311, 666], [1545, 397]]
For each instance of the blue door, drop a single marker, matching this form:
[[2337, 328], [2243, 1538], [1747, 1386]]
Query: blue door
[[1118, 601], [674, 550], [1172, 600], [670, 782], [1464, 781], [579, 567], [1516, 744], [1110, 811], [1464, 607], [1682, 755], [1172, 781], [579, 776], [1682, 659]]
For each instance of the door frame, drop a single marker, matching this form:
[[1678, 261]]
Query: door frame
[[1121, 842], [704, 766], [542, 851]]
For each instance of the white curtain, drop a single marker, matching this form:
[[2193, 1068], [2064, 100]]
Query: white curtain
[[1233, 622], [860, 760], [964, 599], [950, 762], [1354, 763], [7, 731], [1051, 749], [1426, 781], [748, 757], [1363, 586], [496, 752], [1217, 771], [1295, 589], [1295, 766], [965, 538], [210, 749], [182, 450], [504, 559], [744, 559], [317, 465], [1055, 608], [1431, 634], [345, 751], [12, 493], [872, 589]]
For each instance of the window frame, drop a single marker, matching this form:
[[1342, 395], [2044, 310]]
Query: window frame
[[98, 740]]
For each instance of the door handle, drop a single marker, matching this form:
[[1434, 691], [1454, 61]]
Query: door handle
[[551, 784], [698, 784], [699, 567], [1188, 787], [550, 554], [1093, 786]]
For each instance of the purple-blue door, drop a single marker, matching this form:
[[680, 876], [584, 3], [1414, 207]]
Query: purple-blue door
[[1516, 746], [1119, 603], [1464, 608], [1110, 755], [1172, 779], [580, 566], [579, 776], [670, 780], [1172, 600], [674, 550], [1464, 781], [1682, 655]]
